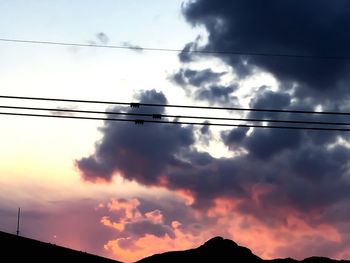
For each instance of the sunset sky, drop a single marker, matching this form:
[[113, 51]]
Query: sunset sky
[[128, 191]]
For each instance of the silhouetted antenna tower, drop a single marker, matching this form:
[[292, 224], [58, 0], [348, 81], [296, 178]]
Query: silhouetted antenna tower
[[18, 217]]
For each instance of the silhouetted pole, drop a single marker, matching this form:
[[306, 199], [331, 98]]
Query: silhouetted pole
[[18, 216]]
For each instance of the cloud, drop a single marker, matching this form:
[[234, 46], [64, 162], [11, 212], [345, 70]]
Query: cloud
[[283, 187], [130, 221], [196, 77], [162, 156], [205, 85], [102, 37], [99, 38], [141, 230], [281, 175], [316, 245], [141, 154], [187, 55], [319, 29], [132, 46], [223, 218], [218, 94]]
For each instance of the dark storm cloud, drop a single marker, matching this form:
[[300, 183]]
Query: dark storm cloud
[[158, 155], [267, 99], [265, 143], [306, 173], [268, 142], [307, 178], [205, 129], [203, 85], [197, 77], [303, 171], [276, 172], [279, 172], [204, 134], [140, 153], [315, 27], [280, 27], [306, 169], [218, 94], [187, 55]]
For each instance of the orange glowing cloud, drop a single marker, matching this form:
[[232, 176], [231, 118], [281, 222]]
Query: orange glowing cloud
[[154, 216], [263, 239], [150, 244], [133, 247], [224, 218], [128, 207]]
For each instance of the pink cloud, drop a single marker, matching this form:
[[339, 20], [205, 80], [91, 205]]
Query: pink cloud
[[163, 232]]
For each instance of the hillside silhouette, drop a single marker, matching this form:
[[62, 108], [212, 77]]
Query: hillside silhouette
[[223, 250], [21, 249]]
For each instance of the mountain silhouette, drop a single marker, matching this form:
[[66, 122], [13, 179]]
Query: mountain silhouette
[[223, 250], [21, 249], [216, 249]]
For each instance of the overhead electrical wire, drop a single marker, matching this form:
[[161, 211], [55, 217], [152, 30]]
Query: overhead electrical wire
[[157, 118], [160, 116], [141, 122], [137, 105], [200, 51]]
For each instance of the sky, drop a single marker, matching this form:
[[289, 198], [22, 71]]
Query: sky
[[127, 191]]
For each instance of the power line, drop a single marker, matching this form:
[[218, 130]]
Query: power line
[[137, 105], [219, 52], [141, 121], [160, 116]]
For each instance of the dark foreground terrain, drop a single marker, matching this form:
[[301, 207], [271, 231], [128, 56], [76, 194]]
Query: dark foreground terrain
[[223, 250], [20, 249]]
